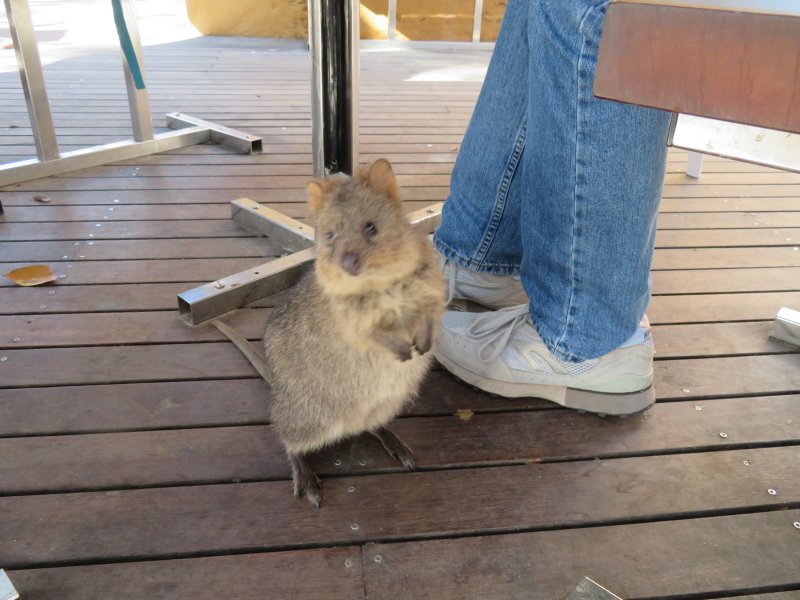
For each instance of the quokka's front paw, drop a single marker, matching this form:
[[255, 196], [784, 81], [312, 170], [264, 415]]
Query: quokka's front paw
[[423, 338], [399, 347]]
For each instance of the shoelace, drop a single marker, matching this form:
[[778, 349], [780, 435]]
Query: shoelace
[[496, 328], [451, 286]]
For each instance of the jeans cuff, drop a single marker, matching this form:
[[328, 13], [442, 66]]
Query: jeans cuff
[[470, 264]]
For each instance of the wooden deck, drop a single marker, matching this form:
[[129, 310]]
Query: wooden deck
[[136, 459]]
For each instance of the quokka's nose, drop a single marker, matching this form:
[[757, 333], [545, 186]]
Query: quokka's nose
[[351, 262]]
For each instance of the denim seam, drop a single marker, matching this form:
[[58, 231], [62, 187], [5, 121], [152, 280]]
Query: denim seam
[[557, 349], [502, 196], [494, 268]]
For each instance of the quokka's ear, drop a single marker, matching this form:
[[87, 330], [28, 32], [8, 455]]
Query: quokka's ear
[[318, 193], [380, 178]]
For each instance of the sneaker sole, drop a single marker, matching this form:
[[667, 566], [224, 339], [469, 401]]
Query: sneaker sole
[[581, 400]]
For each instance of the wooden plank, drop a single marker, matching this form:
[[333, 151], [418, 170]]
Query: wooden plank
[[115, 230], [189, 270], [726, 280], [145, 271], [719, 307], [243, 454], [137, 249], [165, 327], [80, 298], [735, 220], [742, 203], [655, 54], [171, 404], [700, 190], [334, 573], [162, 522], [733, 376], [280, 199], [727, 238], [742, 375], [112, 211], [707, 557], [726, 258], [73, 409], [113, 328]]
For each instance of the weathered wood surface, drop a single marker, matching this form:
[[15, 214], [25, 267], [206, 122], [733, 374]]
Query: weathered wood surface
[[126, 435], [648, 560], [334, 573], [158, 458], [264, 515]]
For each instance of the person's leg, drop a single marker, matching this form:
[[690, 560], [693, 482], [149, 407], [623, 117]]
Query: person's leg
[[588, 184], [593, 170], [480, 219]]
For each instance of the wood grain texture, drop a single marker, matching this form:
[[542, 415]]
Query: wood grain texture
[[98, 525], [254, 453], [334, 573], [710, 556], [724, 64]]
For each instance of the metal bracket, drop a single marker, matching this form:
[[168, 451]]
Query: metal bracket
[[787, 327], [589, 590], [7, 591], [84, 158], [208, 301], [768, 147], [288, 233], [224, 136]]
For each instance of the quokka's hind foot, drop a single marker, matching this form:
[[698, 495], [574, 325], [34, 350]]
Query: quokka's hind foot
[[396, 447], [306, 483]]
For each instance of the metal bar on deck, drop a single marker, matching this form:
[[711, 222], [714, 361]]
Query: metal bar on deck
[[25, 170], [225, 136], [32, 78], [235, 291], [213, 299], [334, 42], [138, 100], [285, 231]]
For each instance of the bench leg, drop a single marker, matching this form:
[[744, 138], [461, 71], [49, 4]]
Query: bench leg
[[694, 166]]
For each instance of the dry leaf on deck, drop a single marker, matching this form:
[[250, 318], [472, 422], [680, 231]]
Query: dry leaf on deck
[[33, 275], [43, 199], [464, 414]]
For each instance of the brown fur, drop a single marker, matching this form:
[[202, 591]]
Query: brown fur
[[349, 348]]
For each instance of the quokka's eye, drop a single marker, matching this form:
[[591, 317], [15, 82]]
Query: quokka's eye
[[370, 229], [329, 236]]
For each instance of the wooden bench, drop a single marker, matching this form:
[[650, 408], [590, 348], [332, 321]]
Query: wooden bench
[[735, 60]]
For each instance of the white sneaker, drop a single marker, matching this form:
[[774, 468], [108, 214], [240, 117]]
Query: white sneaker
[[484, 289], [501, 352]]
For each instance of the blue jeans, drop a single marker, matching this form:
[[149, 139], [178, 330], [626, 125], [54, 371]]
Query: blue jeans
[[556, 185]]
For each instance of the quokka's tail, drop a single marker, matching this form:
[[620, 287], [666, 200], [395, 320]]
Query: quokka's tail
[[250, 351]]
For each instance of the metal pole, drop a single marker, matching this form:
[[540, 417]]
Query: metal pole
[[392, 33], [30, 73], [477, 18], [138, 100], [334, 42]]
